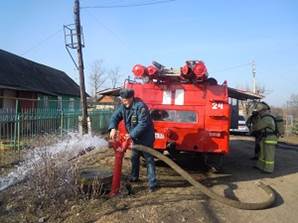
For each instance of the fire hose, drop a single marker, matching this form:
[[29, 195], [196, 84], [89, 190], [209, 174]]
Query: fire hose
[[233, 203], [230, 202]]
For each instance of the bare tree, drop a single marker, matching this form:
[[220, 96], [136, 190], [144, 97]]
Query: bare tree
[[294, 100], [114, 76], [248, 105], [291, 112], [261, 90], [97, 76], [292, 106], [277, 111]]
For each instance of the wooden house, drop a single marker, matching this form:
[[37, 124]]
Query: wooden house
[[28, 84]]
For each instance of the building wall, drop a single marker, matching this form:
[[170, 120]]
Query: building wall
[[64, 102], [8, 99], [104, 107], [6, 102], [107, 99], [27, 104], [70, 103]]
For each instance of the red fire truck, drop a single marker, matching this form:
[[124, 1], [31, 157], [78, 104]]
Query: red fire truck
[[190, 111]]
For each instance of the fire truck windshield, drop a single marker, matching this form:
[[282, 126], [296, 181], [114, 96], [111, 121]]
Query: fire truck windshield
[[173, 116]]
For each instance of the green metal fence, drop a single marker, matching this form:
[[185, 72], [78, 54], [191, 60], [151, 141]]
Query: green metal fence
[[17, 128], [100, 120]]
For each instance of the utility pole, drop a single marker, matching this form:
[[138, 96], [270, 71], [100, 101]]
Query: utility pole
[[253, 65], [80, 65]]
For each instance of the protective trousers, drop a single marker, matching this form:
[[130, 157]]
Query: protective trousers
[[257, 146], [267, 154]]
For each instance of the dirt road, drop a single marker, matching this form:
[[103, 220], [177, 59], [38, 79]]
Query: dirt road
[[284, 180], [176, 200]]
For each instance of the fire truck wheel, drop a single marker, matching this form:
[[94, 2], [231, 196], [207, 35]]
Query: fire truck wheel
[[213, 162], [173, 152]]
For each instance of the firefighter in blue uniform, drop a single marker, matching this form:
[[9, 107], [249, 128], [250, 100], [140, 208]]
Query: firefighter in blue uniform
[[140, 129]]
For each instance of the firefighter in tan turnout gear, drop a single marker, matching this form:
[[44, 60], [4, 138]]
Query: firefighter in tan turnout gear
[[265, 129]]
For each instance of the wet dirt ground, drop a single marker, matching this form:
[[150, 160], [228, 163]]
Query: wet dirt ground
[[176, 200]]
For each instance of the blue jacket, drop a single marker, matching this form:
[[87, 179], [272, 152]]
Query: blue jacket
[[137, 122]]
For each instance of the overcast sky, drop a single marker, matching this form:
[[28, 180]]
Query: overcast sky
[[226, 35]]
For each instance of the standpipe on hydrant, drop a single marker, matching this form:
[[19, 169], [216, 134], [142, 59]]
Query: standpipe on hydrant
[[122, 145], [120, 148]]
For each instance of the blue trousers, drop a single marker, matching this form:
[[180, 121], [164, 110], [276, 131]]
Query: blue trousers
[[135, 167]]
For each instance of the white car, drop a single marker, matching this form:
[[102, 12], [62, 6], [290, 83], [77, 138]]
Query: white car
[[242, 127]]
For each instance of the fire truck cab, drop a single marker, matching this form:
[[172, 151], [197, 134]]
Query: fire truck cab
[[190, 111]]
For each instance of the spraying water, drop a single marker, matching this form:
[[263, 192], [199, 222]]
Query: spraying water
[[64, 149]]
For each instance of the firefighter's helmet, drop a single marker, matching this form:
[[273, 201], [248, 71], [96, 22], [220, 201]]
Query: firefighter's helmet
[[261, 106]]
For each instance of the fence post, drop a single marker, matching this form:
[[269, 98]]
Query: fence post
[[15, 125], [18, 127], [61, 122], [89, 120]]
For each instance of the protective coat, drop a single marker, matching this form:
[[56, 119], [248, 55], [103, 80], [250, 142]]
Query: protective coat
[[137, 122]]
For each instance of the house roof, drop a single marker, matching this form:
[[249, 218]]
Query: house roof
[[110, 99], [243, 95], [110, 91], [22, 74]]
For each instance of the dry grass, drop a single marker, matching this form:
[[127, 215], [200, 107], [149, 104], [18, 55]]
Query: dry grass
[[48, 187], [51, 180]]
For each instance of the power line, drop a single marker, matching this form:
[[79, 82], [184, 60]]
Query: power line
[[38, 44], [116, 36], [129, 5], [108, 29], [232, 67]]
